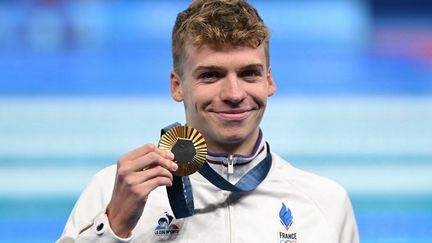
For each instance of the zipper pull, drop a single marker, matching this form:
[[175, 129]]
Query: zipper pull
[[231, 165]]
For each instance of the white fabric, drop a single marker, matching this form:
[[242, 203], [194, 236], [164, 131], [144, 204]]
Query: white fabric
[[321, 210]]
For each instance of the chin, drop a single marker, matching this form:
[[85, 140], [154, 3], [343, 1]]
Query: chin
[[231, 138]]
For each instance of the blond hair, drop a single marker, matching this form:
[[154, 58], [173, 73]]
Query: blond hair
[[218, 23]]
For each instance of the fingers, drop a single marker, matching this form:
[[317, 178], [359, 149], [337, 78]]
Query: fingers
[[155, 158], [147, 175], [145, 157], [142, 190], [138, 152]]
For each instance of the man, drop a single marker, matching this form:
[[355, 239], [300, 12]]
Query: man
[[222, 75]]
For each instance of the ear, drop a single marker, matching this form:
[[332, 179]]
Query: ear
[[271, 86], [176, 88]]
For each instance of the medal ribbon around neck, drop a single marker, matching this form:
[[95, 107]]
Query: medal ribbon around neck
[[180, 194]]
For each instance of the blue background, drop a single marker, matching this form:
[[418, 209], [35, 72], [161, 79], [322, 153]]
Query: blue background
[[82, 82]]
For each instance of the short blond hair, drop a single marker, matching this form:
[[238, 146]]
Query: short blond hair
[[218, 23]]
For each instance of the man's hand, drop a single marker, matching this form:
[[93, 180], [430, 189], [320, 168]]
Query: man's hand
[[138, 173]]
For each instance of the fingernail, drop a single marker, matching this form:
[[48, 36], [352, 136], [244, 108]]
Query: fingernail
[[174, 166], [171, 156]]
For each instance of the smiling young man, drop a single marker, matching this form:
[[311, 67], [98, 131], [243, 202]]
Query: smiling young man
[[244, 193]]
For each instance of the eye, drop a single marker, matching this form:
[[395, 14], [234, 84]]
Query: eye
[[251, 74], [210, 76]]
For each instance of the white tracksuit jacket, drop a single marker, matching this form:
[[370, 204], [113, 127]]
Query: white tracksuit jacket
[[321, 210]]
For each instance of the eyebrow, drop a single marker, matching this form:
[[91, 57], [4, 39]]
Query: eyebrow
[[205, 68], [253, 66], [218, 68]]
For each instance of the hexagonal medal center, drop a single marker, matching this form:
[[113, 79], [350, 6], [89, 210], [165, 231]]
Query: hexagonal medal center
[[184, 150]]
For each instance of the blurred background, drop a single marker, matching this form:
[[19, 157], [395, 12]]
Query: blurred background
[[82, 82]]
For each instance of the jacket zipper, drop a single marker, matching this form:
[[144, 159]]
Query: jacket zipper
[[230, 165]]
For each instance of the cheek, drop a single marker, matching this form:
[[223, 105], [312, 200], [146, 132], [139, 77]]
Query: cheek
[[191, 103], [258, 94], [187, 96], [203, 96]]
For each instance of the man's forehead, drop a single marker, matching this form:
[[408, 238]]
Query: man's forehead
[[210, 55]]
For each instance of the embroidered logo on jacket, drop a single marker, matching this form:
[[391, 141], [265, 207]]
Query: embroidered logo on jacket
[[165, 226], [286, 219], [285, 216]]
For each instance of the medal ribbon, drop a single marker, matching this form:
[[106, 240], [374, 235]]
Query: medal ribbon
[[180, 193]]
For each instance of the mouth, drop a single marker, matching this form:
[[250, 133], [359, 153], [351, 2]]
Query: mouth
[[233, 115]]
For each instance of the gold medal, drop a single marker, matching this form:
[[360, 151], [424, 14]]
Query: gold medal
[[189, 147]]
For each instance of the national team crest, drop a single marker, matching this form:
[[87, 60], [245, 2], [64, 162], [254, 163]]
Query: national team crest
[[285, 216], [286, 219]]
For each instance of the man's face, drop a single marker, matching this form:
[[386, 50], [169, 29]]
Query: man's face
[[225, 94]]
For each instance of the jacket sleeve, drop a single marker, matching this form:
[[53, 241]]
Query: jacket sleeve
[[348, 232], [88, 221]]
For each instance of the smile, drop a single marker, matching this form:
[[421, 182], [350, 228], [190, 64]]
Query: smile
[[233, 115]]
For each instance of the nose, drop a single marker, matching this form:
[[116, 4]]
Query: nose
[[232, 91]]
